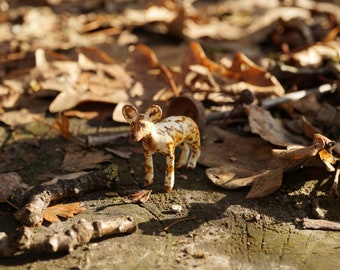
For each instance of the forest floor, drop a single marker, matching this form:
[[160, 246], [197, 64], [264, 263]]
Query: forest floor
[[66, 69], [217, 228]]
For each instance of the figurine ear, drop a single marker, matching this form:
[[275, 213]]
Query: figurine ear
[[130, 113], [153, 113]]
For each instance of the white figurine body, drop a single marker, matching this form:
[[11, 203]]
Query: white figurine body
[[164, 137]]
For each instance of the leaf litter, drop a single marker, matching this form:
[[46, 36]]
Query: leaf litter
[[59, 63]]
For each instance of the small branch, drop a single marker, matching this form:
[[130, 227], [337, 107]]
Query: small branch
[[335, 186], [36, 200], [294, 96], [176, 222], [79, 234], [317, 211], [170, 78], [320, 224], [92, 140]]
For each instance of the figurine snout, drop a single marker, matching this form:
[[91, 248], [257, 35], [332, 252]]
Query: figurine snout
[[133, 137]]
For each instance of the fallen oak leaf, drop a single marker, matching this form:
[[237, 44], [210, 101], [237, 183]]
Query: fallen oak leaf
[[261, 122], [138, 196], [242, 73], [232, 165], [119, 153], [328, 159], [320, 142], [319, 153], [244, 69], [9, 182], [196, 55], [52, 213], [88, 57], [145, 58], [78, 159], [62, 124]]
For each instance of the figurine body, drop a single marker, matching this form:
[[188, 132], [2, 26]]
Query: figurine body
[[163, 137]]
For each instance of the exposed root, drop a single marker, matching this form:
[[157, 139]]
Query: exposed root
[[79, 234], [37, 199]]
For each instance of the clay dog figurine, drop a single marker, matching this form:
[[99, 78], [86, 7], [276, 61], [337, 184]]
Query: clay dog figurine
[[163, 137]]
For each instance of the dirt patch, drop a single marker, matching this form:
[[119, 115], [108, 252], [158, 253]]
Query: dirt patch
[[215, 229]]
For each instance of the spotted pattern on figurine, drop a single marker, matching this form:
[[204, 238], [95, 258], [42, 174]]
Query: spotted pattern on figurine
[[164, 136]]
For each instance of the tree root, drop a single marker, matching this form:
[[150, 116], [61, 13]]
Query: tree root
[[79, 234], [34, 201], [320, 224]]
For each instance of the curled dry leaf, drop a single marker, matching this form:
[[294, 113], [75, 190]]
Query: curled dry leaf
[[232, 165], [320, 150], [119, 153], [76, 159], [62, 124], [139, 196], [151, 75], [242, 74], [8, 183], [187, 106], [94, 78], [270, 129], [52, 213], [328, 159], [316, 54]]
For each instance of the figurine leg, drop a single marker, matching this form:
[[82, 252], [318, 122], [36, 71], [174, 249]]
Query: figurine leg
[[183, 159], [194, 156], [148, 180], [170, 172]]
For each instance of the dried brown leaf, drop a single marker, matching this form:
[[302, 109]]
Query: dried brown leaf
[[9, 182], [119, 153], [320, 150], [78, 159], [243, 69], [232, 163], [52, 213], [242, 74], [196, 55], [153, 80], [62, 124], [328, 159], [315, 54], [93, 55], [270, 129], [139, 196]]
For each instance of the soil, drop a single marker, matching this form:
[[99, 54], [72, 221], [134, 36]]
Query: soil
[[216, 228]]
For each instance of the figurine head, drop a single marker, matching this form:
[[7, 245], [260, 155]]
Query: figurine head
[[141, 124]]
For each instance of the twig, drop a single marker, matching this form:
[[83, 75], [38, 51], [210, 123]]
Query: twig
[[334, 188], [246, 97], [39, 197], [92, 140], [301, 70], [320, 224], [79, 234], [170, 78], [61, 125], [317, 211], [268, 103], [177, 221]]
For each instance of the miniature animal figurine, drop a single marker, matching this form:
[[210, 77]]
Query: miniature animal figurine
[[163, 137]]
